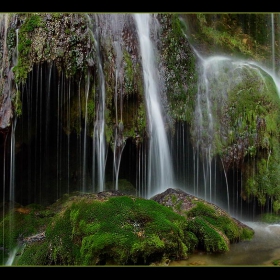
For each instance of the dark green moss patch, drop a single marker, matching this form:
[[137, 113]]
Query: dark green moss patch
[[113, 228]]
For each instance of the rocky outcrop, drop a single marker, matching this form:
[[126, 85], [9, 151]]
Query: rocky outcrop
[[182, 202], [113, 228]]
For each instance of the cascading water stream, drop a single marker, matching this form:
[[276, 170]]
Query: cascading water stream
[[119, 142], [84, 183], [99, 140], [160, 168], [213, 86], [112, 26], [153, 163]]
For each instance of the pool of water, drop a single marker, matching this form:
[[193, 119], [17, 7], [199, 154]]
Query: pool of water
[[262, 250]]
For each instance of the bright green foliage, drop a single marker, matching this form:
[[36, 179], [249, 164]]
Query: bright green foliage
[[34, 254], [247, 126], [124, 186], [21, 223], [224, 34], [129, 74], [24, 47], [215, 232], [246, 234], [61, 246], [209, 239], [17, 103], [276, 262], [270, 218], [118, 230], [122, 229]]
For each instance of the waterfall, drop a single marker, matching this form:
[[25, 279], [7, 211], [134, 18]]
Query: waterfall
[[85, 136], [112, 26], [62, 135], [58, 163], [119, 142], [3, 191], [160, 169], [210, 69], [99, 140], [12, 164], [218, 76]]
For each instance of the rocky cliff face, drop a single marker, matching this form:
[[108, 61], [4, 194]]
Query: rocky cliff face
[[68, 41], [55, 69]]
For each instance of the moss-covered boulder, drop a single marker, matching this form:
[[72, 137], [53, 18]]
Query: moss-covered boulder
[[110, 228], [214, 228]]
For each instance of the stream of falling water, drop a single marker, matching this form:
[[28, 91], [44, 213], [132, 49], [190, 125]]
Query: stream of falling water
[[114, 28], [99, 133], [159, 172], [160, 168], [84, 184], [216, 74]]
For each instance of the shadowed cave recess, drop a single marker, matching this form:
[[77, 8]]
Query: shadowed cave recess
[[49, 162]]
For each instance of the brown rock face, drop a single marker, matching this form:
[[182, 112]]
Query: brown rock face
[[6, 112]]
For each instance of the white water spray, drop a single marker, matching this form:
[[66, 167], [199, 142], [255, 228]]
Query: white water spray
[[160, 175], [99, 127]]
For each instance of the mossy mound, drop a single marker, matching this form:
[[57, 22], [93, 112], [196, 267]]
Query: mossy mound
[[212, 226], [110, 228]]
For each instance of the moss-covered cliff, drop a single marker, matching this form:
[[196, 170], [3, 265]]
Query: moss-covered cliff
[[76, 58], [244, 97]]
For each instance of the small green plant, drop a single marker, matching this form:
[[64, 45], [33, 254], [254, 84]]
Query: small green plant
[[276, 262], [270, 218]]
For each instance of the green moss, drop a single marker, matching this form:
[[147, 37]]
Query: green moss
[[276, 262], [34, 255], [124, 186], [20, 223], [180, 64], [121, 230], [24, 62], [224, 34], [270, 218], [11, 42], [129, 74], [61, 247], [203, 215], [247, 125], [17, 103], [209, 239], [91, 110]]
